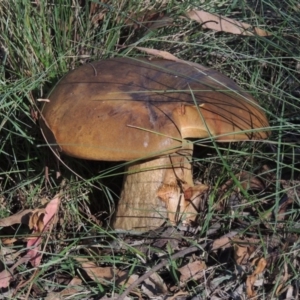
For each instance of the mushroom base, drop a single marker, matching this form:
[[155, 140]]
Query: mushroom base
[[158, 191]]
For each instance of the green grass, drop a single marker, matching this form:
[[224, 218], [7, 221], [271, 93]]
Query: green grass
[[40, 41]]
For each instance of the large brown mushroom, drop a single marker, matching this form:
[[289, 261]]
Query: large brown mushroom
[[144, 111]]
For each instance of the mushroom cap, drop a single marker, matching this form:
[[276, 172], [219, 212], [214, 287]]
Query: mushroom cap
[[125, 108]]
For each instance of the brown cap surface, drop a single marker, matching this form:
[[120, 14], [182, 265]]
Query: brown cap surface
[[125, 108]]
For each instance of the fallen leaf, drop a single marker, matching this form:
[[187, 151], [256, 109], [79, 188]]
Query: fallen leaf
[[96, 273], [19, 218], [51, 210], [220, 23], [223, 242], [193, 270], [5, 278], [154, 286], [159, 53], [36, 220], [170, 236], [104, 275], [8, 241], [32, 218], [123, 278], [229, 240], [243, 249], [261, 264], [74, 287], [40, 222], [6, 275], [241, 255], [168, 56], [33, 255]]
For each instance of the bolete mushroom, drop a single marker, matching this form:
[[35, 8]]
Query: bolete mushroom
[[144, 111]]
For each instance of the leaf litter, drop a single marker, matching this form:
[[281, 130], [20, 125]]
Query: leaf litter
[[40, 221], [180, 252], [173, 260]]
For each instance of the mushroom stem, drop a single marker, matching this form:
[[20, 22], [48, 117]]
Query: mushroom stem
[[139, 206], [158, 190]]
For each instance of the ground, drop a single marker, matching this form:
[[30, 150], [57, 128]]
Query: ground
[[244, 243]]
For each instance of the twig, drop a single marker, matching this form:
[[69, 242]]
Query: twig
[[159, 266]]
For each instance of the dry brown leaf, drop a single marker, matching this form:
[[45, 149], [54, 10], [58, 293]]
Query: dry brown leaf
[[19, 218], [25, 216], [230, 238], [33, 255], [96, 273], [105, 274], [5, 278], [8, 241], [261, 264], [159, 53], [74, 287], [40, 222], [154, 286], [243, 248], [221, 243], [168, 56], [219, 23], [36, 220], [51, 211], [123, 278], [241, 255], [7, 274], [192, 270]]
